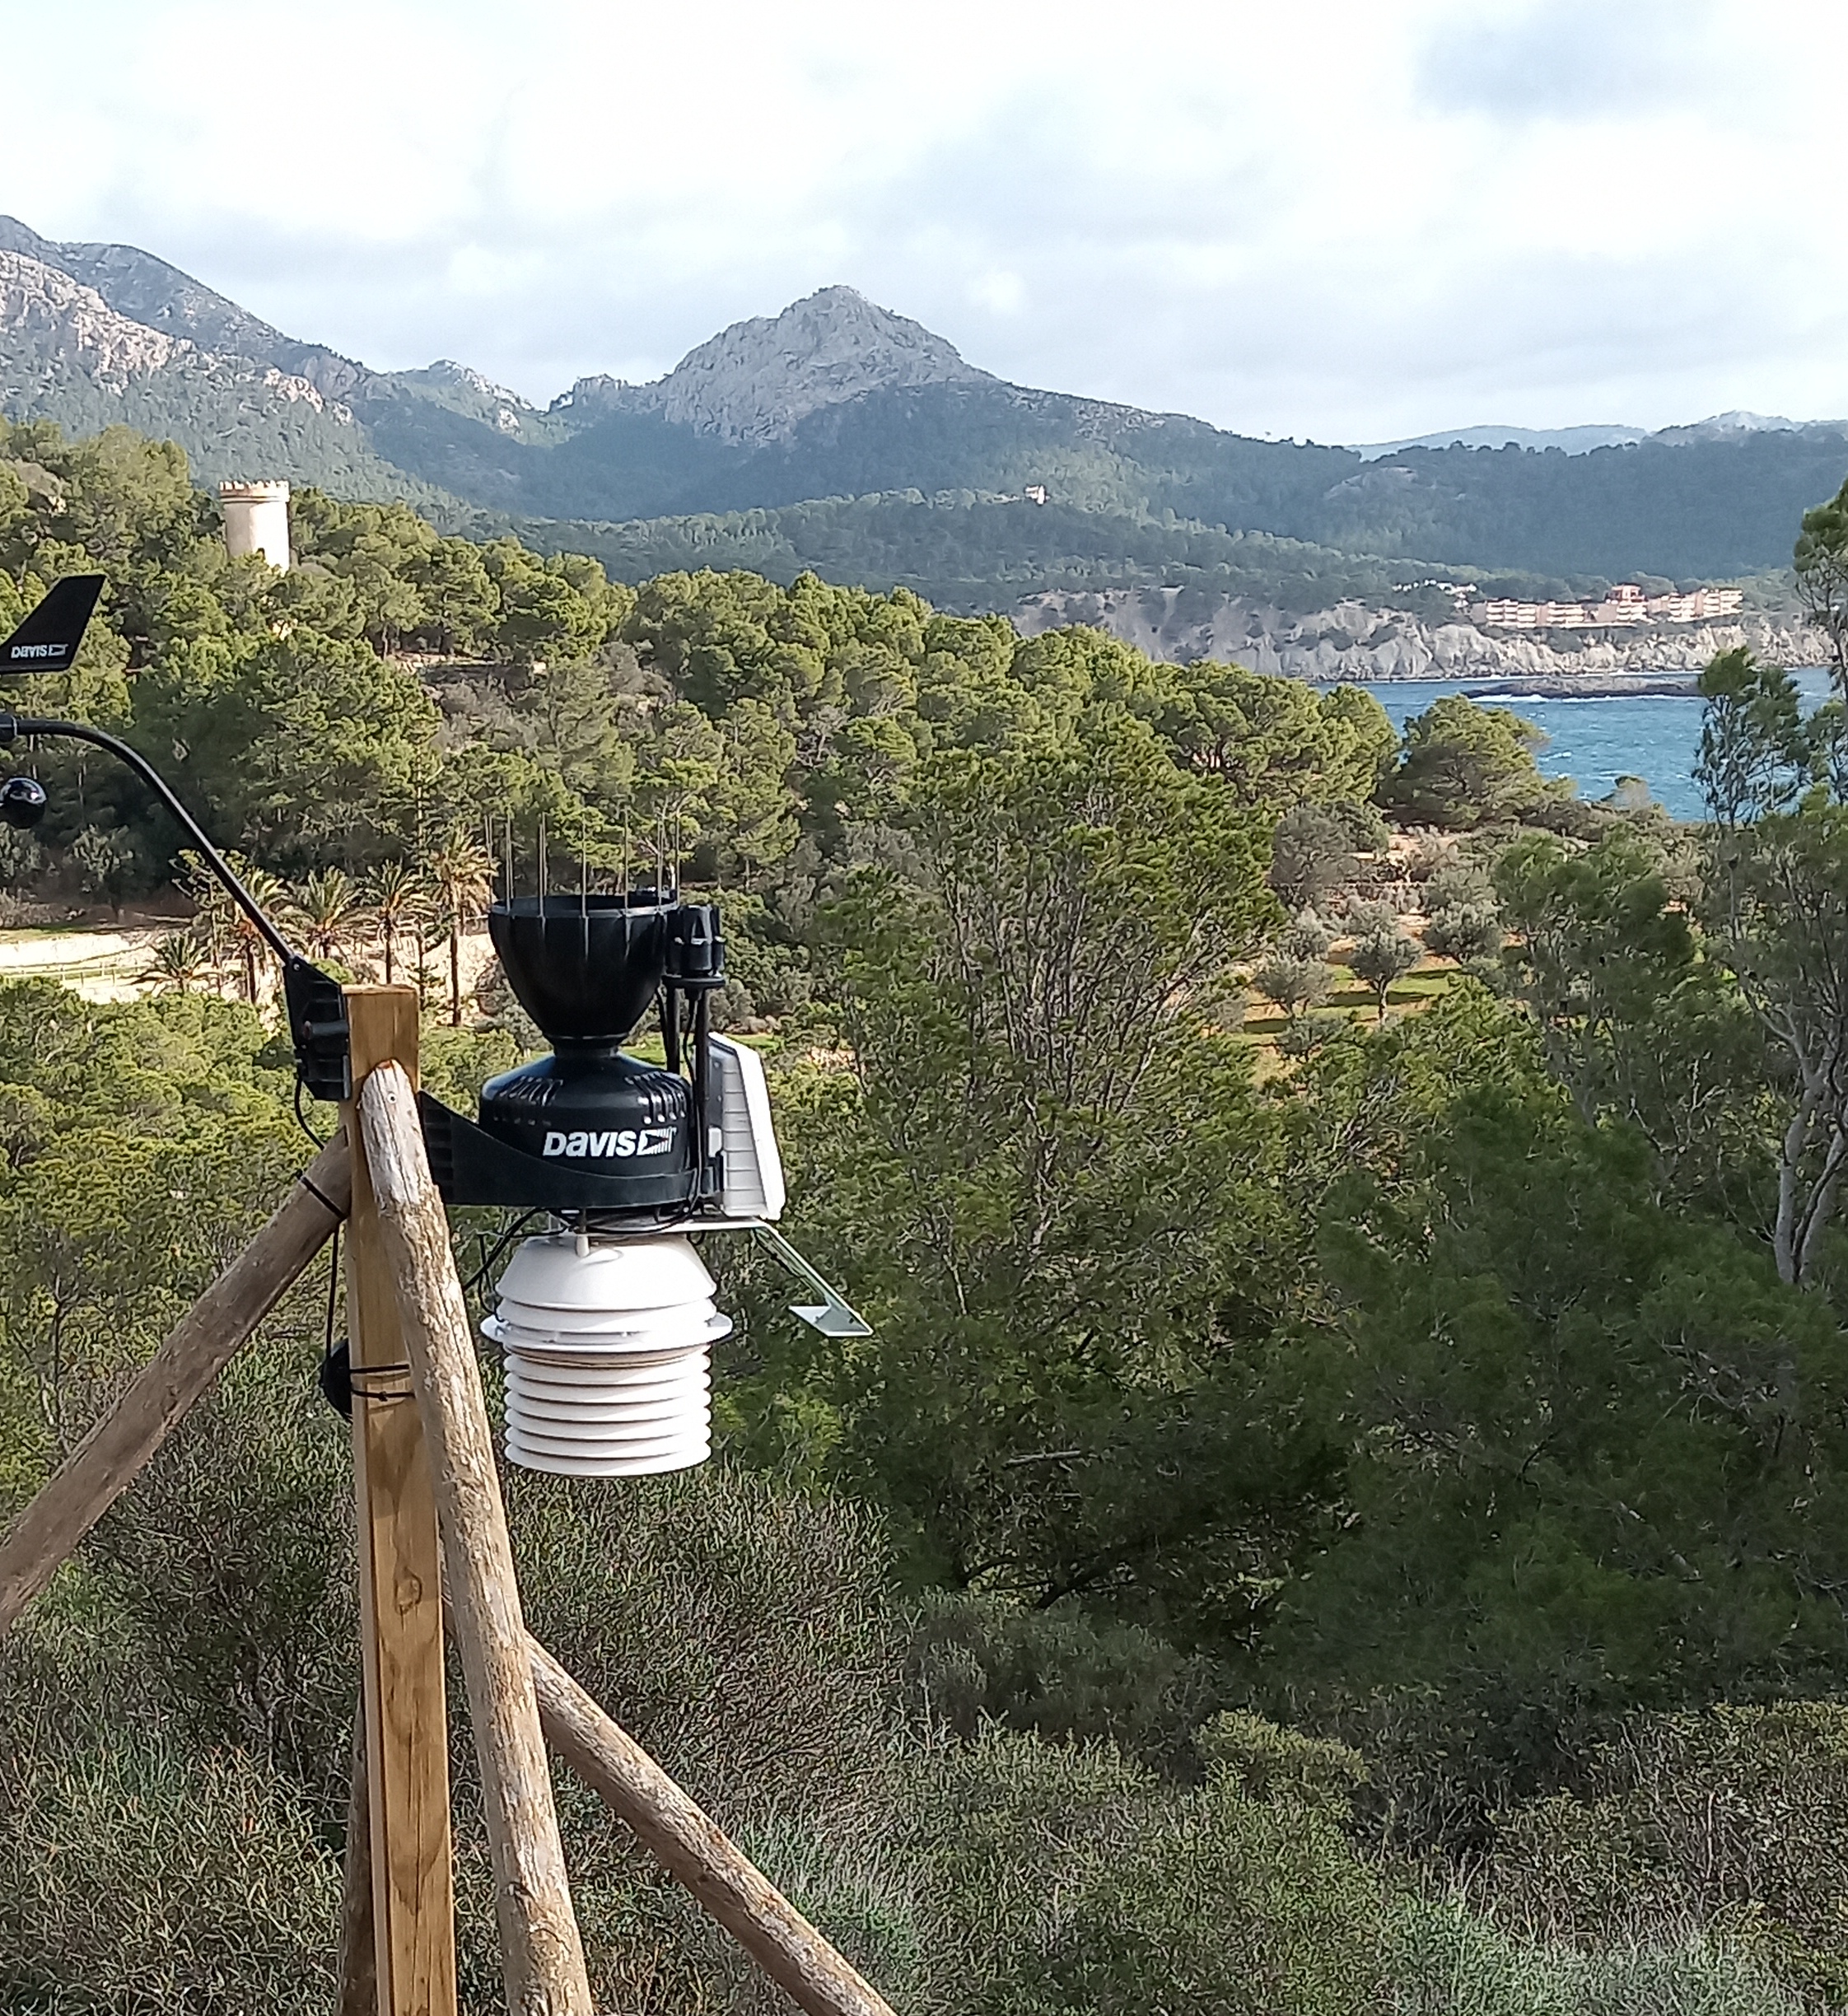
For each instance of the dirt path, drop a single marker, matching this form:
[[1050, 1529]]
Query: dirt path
[[105, 963], [111, 962]]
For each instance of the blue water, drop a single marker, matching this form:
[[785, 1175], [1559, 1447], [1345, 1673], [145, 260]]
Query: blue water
[[1594, 742]]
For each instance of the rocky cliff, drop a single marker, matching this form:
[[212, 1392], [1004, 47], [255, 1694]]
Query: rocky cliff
[[1351, 641], [756, 381], [65, 352], [147, 290]]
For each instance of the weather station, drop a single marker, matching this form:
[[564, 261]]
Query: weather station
[[607, 1318], [607, 1321]]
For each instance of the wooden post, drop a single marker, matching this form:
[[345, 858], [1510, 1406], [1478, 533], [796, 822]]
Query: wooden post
[[541, 1956], [695, 1851], [400, 1583], [359, 1973], [199, 1346]]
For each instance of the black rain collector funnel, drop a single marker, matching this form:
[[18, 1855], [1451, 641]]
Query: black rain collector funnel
[[584, 968]]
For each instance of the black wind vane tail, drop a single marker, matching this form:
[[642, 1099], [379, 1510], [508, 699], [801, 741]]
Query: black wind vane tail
[[47, 640]]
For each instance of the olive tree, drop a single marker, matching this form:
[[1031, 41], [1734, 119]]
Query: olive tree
[[1382, 952]]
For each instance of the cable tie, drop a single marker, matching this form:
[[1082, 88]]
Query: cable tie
[[357, 1374], [314, 1189]]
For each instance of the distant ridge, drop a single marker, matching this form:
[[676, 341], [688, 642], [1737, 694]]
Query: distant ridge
[[842, 435], [1584, 439], [1572, 440]]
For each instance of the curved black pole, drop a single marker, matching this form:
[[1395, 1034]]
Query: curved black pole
[[317, 1010], [14, 726]]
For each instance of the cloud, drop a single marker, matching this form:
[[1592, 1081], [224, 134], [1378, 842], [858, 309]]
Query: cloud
[[1350, 218], [1571, 59]]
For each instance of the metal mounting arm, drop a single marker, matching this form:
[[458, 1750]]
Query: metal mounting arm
[[317, 1008], [17, 727]]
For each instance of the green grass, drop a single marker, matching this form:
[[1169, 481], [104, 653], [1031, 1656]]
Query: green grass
[[1354, 999]]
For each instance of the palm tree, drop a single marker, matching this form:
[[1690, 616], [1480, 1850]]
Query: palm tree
[[267, 893], [462, 879], [328, 910], [228, 931], [399, 901], [182, 960]]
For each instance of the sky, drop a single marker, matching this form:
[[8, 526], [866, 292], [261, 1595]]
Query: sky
[[1338, 220]]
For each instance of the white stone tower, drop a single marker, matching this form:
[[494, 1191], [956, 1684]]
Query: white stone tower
[[257, 520]]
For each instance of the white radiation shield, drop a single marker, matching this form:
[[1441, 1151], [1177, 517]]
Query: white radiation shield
[[609, 1355]]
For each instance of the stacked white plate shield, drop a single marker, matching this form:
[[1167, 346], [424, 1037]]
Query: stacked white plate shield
[[609, 1355]]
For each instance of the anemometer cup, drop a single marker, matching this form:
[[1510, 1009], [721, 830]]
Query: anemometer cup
[[22, 803], [585, 968]]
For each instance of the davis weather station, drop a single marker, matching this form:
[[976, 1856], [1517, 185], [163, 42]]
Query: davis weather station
[[608, 1323], [608, 1319]]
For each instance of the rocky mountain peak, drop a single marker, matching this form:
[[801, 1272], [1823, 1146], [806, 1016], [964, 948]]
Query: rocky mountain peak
[[466, 378], [754, 381], [144, 289]]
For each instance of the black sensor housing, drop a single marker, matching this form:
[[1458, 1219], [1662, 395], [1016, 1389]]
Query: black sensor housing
[[592, 1128]]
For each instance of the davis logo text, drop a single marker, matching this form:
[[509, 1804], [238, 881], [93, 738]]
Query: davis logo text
[[622, 1141]]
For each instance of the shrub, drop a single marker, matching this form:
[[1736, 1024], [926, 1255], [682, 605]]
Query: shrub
[[1312, 856], [1294, 984], [1464, 931], [146, 1872], [1447, 1962], [976, 1660], [1082, 1890], [1734, 1822]]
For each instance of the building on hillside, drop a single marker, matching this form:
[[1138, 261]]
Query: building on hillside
[[257, 520], [1623, 606], [1701, 605]]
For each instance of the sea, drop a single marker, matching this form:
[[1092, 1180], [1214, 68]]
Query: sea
[[1594, 739]]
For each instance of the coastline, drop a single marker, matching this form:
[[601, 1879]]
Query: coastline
[[1352, 644]]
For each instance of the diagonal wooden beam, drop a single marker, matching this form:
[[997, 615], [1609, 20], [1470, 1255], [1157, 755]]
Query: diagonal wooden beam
[[204, 1340], [696, 1851]]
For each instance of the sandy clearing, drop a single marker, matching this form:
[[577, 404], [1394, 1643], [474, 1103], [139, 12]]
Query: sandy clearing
[[110, 962]]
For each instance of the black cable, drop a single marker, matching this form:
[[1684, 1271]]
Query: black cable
[[13, 726], [301, 1118], [500, 1247]]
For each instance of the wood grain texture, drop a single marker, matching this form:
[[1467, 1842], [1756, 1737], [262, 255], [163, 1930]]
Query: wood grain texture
[[359, 1973], [696, 1851], [400, 1584], [204, 1340], [542, 1957]]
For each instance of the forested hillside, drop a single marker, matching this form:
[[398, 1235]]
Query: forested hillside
[[1342, 1510]]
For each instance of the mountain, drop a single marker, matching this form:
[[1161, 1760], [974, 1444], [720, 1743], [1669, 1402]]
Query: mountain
[[835, 397], [67, 354], [841, 435], [1568, 440], [147, 290], [756, 382]]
